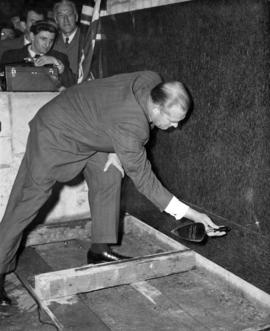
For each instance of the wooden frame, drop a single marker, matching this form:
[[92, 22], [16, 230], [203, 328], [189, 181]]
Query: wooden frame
[[48, 286], [54, 285]]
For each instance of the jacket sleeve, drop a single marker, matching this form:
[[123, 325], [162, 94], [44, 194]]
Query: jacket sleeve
[[5, 58], [129, 146], [67, 78], [8, 57]]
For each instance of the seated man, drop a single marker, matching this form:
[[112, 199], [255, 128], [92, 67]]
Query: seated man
[[102, 135], [39, 52]]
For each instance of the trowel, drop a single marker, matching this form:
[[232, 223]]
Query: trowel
[[195, 232]]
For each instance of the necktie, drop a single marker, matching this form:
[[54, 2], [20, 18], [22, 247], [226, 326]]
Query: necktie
[[66, 41]]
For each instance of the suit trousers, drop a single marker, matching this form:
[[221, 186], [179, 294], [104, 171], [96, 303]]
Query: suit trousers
[[27, 197]]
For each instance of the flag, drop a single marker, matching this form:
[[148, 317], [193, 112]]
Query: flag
[[90, 17]]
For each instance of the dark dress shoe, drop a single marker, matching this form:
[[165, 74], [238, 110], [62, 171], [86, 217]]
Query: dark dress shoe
[[106, 256], [4, 299]]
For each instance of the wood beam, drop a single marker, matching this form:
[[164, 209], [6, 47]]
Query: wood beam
[[69, 314], [60, 231], [88, 278]]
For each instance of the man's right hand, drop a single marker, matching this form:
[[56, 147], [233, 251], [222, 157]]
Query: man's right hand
[[178, 210], [210, 227]]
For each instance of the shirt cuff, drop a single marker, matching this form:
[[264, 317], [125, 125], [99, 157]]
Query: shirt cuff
[[60, 66], [176, 208]]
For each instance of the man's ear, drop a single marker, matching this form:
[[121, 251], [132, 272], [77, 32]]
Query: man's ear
[[22, 26], [32, 36], [55, 18]]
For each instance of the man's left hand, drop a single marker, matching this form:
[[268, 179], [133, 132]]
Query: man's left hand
[[43, 60], [46, 59]]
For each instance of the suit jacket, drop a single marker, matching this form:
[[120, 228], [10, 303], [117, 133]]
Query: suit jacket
[[72, 51], [102, 115], [18, 56]]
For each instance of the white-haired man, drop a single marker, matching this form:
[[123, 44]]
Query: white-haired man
[[69, 39]]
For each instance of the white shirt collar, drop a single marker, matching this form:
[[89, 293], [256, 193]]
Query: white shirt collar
[[70, 37], [26, 41], [32, 53]]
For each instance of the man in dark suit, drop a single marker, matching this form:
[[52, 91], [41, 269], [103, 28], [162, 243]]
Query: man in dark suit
[[39, 52], [100, 128], [32, 14]]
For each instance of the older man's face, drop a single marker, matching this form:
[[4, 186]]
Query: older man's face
[[66, 18]]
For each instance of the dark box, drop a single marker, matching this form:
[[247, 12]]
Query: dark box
[[21, 78]]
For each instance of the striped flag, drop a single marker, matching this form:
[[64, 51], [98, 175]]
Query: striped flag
[[89, 18]]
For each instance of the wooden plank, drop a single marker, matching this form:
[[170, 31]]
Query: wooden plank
[[133, 224], [81, 229], [88, 278], [63, 255], [123, 308], [23, 315], [71, 312], [249, 291], [265, 327], [169, 309], [209, 301], [60, 231]]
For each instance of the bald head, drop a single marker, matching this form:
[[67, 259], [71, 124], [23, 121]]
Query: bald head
[[170, 94], [169, 104]]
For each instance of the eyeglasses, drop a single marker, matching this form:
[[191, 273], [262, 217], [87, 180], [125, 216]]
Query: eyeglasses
[[62, 16]]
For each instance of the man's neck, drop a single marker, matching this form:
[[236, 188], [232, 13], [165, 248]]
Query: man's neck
[[32, 51], [69, 35]]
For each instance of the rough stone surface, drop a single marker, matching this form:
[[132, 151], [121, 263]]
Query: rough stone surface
[[219, 160], [68, 202]]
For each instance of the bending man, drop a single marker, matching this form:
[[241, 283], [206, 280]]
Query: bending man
[[98, 124]]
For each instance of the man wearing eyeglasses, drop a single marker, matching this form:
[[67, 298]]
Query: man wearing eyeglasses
[[68, 42]]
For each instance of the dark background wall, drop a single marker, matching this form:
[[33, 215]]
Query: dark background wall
[[219, 160]]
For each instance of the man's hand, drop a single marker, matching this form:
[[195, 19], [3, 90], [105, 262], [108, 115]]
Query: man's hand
[[210, 227], [61, 89], [113, 159], [46, 59]]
